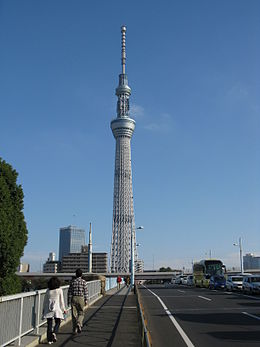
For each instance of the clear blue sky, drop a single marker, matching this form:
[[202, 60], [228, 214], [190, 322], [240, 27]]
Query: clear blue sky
[[193, 67]]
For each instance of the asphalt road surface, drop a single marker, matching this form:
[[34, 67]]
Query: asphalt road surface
[[182, 316]]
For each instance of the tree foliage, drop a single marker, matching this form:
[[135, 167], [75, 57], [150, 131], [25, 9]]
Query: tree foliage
[[165, 269], [13, 231]]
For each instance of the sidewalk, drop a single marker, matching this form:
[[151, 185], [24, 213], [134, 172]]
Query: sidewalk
[[113, 321]]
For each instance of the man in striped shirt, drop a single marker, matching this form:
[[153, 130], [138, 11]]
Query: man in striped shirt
[[77, 298]]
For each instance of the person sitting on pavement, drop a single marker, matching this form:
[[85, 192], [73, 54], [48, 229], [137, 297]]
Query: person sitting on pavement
[[77, 298]]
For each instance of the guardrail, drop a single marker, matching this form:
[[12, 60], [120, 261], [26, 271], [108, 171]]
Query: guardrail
[[145, 332], [110, 283], [21, 314]]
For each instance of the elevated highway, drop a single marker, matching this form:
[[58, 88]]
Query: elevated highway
[[138, 275]]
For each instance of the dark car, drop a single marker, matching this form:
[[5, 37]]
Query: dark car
[[217, 282]]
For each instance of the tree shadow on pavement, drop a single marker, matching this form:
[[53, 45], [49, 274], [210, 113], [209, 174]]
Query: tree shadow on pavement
[[99, 327], [225, 318], [236, 336]]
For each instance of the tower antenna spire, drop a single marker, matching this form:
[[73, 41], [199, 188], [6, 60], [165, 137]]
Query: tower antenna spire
[[123, 57], [123, 210]]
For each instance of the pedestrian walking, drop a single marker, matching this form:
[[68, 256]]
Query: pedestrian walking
[[53, 308], [118, 280], [77, 298]]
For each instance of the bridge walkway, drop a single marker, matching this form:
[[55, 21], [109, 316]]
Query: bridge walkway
[[113, 321]]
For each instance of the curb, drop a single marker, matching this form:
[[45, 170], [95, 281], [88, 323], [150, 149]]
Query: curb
[[146, 337]]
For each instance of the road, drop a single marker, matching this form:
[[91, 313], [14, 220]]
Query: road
[[197, 317]]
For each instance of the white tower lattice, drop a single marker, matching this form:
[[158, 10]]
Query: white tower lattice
[[123, 210]]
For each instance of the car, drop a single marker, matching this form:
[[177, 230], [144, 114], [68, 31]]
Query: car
[[251, 284], [179, 279], [167, 283], [217, 282], [173, 280], [190, 280], [184, 280], [234, 282]]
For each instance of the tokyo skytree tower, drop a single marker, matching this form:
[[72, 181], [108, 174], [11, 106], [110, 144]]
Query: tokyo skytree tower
[[123, 211]]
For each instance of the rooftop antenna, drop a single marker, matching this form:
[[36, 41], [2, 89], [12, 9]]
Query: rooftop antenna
[[74, 222], [123, 58]]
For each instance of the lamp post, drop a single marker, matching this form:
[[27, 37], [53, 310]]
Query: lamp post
[[133, 255], [239, 244], [90, 250]]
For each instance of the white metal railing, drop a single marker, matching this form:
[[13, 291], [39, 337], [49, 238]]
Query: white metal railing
[[110, 283], [21, 313]]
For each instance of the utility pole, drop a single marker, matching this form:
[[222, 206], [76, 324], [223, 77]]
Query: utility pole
[[90, 250], [240, 254]]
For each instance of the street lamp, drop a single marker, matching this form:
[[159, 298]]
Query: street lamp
[[239, 244], [133, 255]]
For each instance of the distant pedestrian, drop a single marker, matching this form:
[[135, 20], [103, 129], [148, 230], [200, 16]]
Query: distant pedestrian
[[118, 280], [78, 298], [53, 308]]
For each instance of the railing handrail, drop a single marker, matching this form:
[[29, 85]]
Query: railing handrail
[[32, 293], [34, 321]]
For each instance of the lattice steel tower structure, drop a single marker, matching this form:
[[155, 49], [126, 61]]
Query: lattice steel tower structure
[[123, 210]]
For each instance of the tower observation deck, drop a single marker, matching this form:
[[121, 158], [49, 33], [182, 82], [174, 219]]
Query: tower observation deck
[[123, 211]]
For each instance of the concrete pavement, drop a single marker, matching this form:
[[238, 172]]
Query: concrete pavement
[[113, 321]]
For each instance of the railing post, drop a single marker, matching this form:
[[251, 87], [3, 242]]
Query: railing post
[[38, 313], [20, 323]]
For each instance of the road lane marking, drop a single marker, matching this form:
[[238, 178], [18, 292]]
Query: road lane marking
[[175, 323], [203, 297], [251, 315], [181, 291]]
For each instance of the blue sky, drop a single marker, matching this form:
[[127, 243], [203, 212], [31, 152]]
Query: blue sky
[[193, 67]]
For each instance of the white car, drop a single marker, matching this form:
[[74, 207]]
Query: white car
[[184, 280], [179, 279], [234, 282], [251, 284]]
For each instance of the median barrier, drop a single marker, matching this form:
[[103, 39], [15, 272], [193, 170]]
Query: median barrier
[[146, 338]]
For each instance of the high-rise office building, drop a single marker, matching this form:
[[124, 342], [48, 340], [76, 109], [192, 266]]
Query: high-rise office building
[[72, 261], [71, 240], [251, 262], [123, 212], [139, 265]]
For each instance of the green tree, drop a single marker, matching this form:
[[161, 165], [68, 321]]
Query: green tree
[[13, 231], [165, 269]]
